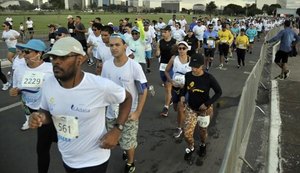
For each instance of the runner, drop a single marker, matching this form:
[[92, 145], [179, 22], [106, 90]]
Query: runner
[[192, 41], [210, 37], [10, 37], [94, 40], [242, 43], [226, 39], [164, 48], [29, 26], [179, 64], [80, 32], [79, 119], [127, 73], [199, 104], [28, 82], [71, 25], [251, 33]]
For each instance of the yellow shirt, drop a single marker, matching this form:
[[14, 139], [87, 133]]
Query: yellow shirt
[[242, 42], [225, 36]]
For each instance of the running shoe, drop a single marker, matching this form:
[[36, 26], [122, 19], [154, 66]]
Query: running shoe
[[280, 77], [125, 156], [164, 112], [129, 168], [221, 66], [188, 154], [238, 66], [151, 90], [286, 74], [90, 63], [6, 86], [178, 133], [25, 126]]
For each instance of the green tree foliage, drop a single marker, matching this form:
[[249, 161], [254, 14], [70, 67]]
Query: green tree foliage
[[265, 8], [298, 11], [272, 9], [233, 9], [210, 7], [252, 10], [57, 4]]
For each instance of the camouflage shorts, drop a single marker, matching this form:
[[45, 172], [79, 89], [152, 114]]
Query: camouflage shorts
[[128, 138]]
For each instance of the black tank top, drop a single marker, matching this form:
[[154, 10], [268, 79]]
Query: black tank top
[[166, 50]]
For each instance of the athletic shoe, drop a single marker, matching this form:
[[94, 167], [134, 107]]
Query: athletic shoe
[[221, 66], [6, 86], [286, 74], [125, 156], [129, 168], [226, 60], [151, 90], [90, 63], [188, 154], [25, 126], [280, 77], [164, 112], [178, 133], [238, 66], [202, 150]]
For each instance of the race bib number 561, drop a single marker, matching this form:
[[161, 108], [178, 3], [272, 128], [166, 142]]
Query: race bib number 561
[[66, 126], [32, 79]]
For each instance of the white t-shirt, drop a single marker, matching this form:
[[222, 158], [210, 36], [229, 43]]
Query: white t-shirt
[[178, 34], [199, 31], [124, 76], [183, 23], [10, 34], [18, 62], [29, 23], [96, 41], [138, 49], [149, 36], [31, 82], [85, 106]]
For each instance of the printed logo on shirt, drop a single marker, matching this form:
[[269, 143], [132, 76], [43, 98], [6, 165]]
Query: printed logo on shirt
[[123, 80], [51, 103], [192, 88], [80, 109]]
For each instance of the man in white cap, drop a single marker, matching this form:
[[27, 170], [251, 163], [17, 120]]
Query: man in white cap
[[71, 25], [75, 102]]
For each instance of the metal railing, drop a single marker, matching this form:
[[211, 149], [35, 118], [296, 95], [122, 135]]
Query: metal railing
[[245, 113]]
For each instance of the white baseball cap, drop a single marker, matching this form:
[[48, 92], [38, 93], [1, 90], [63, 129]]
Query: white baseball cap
[[69, 16]]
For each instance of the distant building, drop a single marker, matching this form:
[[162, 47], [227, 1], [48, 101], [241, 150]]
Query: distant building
[[199, 7], [171, 6], [293, 4], [286, 11]]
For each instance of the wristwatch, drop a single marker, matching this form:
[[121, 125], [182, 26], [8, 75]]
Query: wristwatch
[[119, 126]]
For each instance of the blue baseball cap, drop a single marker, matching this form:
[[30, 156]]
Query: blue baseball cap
[[135, 29], [33, 44], [118, 35]]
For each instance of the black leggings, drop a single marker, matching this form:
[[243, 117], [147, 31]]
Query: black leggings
[[2, 76], [241, 56], [94, 169], [46, 134]]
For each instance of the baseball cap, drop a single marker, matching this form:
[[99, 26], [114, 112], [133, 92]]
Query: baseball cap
[[185, 44], [64, 46], [33, 44], [146, 23], [118, 35], [196, 60], [135, 29], [61, 30], [69, 16], [167, 28], [110, 23]]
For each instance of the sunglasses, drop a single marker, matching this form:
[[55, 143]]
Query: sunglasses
[[27, 51], [134, 33], [181, 48]]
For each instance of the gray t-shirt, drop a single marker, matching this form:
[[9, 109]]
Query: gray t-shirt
[[80, 35]]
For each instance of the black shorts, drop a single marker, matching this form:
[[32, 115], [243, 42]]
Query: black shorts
[[30, 30], [223, 49], [281, 56], [209, 52]]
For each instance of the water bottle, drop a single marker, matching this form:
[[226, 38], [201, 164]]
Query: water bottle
[[151, 90]]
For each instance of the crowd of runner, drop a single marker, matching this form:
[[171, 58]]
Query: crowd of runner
[[88, 114]]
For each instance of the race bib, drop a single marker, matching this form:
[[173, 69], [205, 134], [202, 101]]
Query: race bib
[[211, 43], [242, 46], [162, 66], [70, 30], [224, 41], [203, 121], [66, 126], [32, 79], [179, 79], [52, 40]]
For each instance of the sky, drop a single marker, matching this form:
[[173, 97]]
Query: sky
[[189, 3]]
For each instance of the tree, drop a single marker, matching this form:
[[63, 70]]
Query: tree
[[272, 9], [76, 7], [265, 8], [210, 7], [233, 9], [57, 4], [298, 11]]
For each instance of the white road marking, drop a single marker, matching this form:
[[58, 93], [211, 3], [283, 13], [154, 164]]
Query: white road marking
[[10, 106], [275, 130]]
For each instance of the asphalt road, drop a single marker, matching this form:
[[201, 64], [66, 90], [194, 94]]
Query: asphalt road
[[158, 151]]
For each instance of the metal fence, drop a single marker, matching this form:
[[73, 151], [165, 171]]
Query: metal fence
[[245, 113]]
